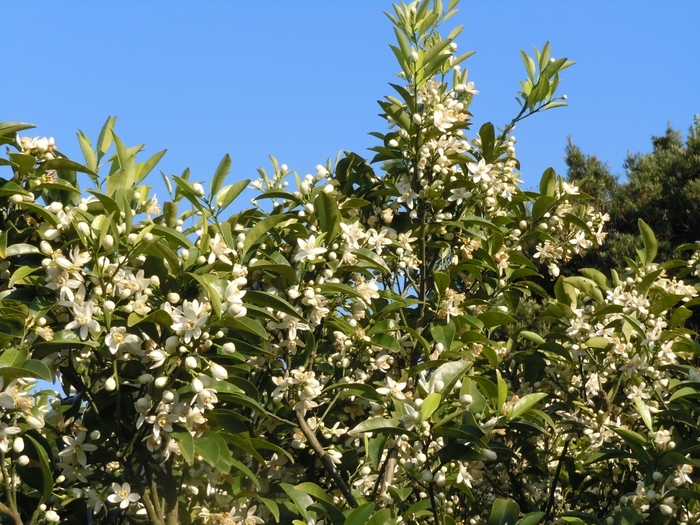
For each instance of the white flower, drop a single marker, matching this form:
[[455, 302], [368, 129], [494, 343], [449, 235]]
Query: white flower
[[83, 320], [117, 337], [480, 171], [392, 388], [458, 195], [123, 495], [76, 447], [308, 249], [219, 250], [190, 319]]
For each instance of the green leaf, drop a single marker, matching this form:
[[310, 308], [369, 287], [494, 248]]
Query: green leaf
[[504, 512], [104, 141], [377, 424], [172, 236], [382, 517], [208, 448], [430, 405], [66, 164], [37, 369], [185, 442], [328, 215], [40, 478], [13, 357], [548, 183], [88, 153], [20, 273], [227, 194], [531, 336], [222, 170], [502, 391], [650, 244], [301, 499], [488, 140], [359, 515], [532, 518], [495, 318], [159, 317], [261, 228], [20, 249], [448, 373], [144, 168], [644, 411], [8, 130], [271, 301], [524, 404]]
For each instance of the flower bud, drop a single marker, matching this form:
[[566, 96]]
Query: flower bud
[[198, 189], [490, 455], [18, 445], [23, 460], [109, 306], [191, 362], [46, 248], [110, 384], [218, 371], [145, 379], [160, 382], [228, 348], [174, 297], [35, 422], [95, 435], [84, 228], [197, 385], [16, 198]]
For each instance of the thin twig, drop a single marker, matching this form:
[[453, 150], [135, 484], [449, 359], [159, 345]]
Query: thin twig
[[557, 473], [330, 467]]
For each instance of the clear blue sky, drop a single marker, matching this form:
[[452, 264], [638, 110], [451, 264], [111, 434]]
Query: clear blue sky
[[300, 79]]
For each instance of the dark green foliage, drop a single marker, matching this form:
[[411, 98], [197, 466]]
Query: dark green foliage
[[662, 188]]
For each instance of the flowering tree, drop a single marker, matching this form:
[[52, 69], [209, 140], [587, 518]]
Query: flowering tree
[[335, 354]]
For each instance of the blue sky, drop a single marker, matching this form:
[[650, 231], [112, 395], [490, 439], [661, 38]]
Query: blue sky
[[300, 79]]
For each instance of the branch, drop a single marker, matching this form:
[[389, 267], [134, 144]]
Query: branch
[[330, 467], [557, 473]]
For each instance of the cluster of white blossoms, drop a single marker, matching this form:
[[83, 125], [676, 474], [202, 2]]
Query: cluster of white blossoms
[[350, 347]]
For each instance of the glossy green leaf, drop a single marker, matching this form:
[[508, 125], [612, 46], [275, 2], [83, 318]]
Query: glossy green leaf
[[185, 443], [650, 244], [359, 515], [524, 404], [504, 512]]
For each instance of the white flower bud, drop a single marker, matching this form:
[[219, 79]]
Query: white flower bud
[[197, 385], [414, 56], [438, 386], [52, 516], [174, 297], [144, 379], [191, 362], [84, 228], [228, 348], [665, 509], [109, 306], [160, 382], [218, 371], [95, 434], [131, 239], [16, 198], [110, 384], [18, 445], [198, 189], [35, 422], [185, 254], [490, 455], [466, 399], [23, 460], [417, 119], [46, 248]]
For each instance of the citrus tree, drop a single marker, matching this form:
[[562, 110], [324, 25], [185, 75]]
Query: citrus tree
[[335, 354]]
